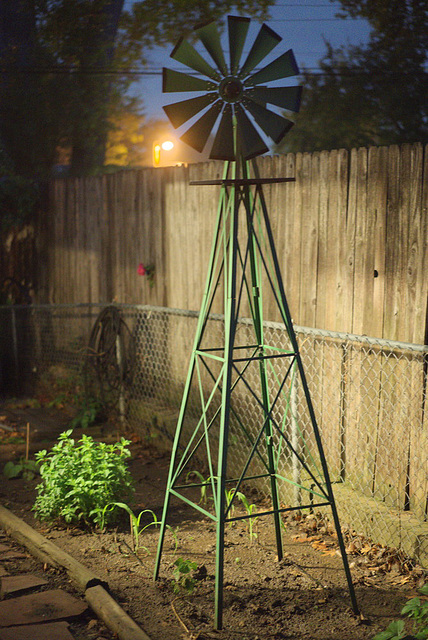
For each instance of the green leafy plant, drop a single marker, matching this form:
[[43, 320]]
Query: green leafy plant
[[395, 631], [64, 388], [414, 609], [80, 478], [135, 521], [183, 575], [26, 469], [417, 610], [88, 413]]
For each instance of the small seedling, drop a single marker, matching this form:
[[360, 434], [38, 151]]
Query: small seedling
[[183, 575], [249, 508], [205, 483], [229, 497], [134, 521]]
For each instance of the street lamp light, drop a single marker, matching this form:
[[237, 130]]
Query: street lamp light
[[167, 145]]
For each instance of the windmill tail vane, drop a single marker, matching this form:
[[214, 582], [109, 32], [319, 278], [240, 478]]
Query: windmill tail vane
[[241, 387]]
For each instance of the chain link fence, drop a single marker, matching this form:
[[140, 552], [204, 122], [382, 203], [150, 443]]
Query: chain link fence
[[369, 397]]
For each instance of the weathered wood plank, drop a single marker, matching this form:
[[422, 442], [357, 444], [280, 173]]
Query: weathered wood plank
[[416, 266], [377, 185], [363, 274], [341, 244], [309, 181], [393, 253], [291, 223]]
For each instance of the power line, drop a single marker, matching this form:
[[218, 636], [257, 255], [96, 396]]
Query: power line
[[72, 71], [317, 20], [285, 4]]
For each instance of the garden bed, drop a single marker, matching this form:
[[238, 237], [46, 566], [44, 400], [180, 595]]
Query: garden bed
[[303, 596]]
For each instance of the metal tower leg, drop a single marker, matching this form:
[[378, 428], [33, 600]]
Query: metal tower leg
[[205, 308], [229, 340], [258, 329], [293, 339]]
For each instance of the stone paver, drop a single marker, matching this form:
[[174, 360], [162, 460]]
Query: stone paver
[[48, 631], [40, 607], [20, 616], [23, 582]]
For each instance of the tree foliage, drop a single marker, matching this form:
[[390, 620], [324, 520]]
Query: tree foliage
[[65, 69], [125, 142], [374, 94]]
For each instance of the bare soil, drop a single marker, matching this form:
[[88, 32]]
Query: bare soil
[[303, 596]]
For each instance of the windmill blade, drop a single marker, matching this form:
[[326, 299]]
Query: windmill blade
[[265, 41], [210, 38], [273, 125], [198, 133], [178, 81], [251, 142], [238, 28], [284, 97], [180, 112], [184, 52], [282, 67], [223, 147]]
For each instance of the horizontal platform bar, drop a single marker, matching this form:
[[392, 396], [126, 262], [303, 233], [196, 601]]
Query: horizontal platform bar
[[284, 354], [238, 182], [244, 346], [247, 516], [230, 481], [259, 357]]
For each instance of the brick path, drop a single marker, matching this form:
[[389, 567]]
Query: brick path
[[32, 607]]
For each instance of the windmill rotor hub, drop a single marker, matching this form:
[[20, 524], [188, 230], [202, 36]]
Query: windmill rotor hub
[[231, 89], [234, 95]]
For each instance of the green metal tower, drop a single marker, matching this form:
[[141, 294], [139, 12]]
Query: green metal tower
[[241, 387]]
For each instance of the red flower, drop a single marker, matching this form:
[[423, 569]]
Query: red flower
[[141, 269]]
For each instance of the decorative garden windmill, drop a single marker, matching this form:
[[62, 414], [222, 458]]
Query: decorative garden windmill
[[241, 388]]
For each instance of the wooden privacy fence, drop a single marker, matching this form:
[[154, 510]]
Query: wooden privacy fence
[[351, 234]]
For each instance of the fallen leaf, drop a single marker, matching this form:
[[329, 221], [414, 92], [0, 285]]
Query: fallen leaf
[[366, 549]]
